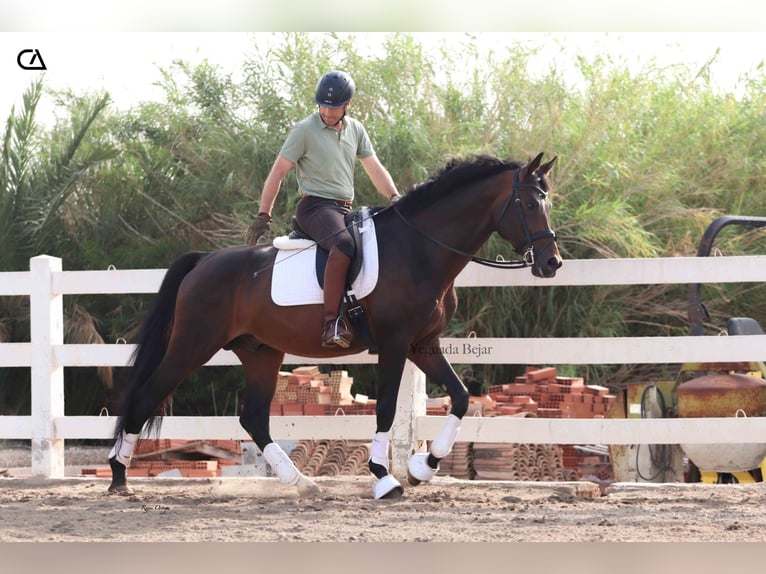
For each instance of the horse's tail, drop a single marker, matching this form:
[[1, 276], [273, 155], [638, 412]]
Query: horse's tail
[[152, 340]]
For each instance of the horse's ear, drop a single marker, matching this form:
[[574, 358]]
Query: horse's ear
[[532, 166], [547, 167]]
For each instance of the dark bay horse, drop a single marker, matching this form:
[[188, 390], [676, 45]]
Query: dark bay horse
[[208, 301]]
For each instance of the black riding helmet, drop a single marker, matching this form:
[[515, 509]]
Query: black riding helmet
[[335, 89]]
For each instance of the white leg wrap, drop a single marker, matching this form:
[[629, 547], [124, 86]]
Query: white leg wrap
[[123, 448], [281, 463], [442, 444], [379, 450], [418, 469], [387, 487], [286, 471]]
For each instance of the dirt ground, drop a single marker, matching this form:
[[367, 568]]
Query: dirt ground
[[446, 510]]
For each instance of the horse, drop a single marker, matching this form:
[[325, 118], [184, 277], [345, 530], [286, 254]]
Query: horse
[[221, 299]]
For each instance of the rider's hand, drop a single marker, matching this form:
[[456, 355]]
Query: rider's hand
[[258, 228]]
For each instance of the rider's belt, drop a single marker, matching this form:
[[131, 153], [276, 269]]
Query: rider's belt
[[339, 202]]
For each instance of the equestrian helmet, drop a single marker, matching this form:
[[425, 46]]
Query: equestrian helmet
[[335, 89]]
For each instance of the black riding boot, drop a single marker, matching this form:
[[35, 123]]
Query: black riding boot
[[335, 331]]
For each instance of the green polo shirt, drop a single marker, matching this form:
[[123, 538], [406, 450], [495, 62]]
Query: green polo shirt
[[325, 158]]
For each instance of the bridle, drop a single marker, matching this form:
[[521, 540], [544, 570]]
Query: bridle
[[525, 247]]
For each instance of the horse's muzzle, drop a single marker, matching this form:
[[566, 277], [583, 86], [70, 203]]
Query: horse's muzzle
[[547, 267]]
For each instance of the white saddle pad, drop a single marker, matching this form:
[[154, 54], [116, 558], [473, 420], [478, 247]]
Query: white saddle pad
[[294, 279]]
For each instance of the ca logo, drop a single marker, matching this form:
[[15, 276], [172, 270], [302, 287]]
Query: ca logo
[[31, 60]]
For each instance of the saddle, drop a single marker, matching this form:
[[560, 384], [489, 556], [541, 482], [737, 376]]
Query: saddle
[[298, 240]]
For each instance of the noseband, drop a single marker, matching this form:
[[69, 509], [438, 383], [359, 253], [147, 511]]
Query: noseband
[[525, 247]]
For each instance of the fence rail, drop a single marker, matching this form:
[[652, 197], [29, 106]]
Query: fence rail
[[47, 356]]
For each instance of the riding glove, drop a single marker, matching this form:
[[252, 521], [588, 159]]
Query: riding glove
[[258, 228]]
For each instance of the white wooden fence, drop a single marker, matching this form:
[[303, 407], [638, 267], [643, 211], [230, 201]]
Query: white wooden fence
[[47, 356]]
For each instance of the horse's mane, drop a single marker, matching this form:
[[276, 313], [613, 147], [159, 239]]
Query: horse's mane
[[457, 172]]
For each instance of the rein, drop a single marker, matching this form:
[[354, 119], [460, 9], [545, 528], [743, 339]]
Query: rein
[[527, 257]]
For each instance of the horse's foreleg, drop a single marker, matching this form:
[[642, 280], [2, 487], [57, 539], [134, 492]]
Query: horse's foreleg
[[386, 485], [261, 370], [422, 467], [390, 375]]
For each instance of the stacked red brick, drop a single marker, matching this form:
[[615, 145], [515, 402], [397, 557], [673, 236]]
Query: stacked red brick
[[307, 391], [544, 393]]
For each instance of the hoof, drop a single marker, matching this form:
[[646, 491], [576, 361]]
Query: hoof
[[418, 470], [306, 486], [119, 489], [411, 480], [387, 487], [119, 477]]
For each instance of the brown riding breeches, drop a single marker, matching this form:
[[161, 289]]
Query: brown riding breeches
[[323, 221]]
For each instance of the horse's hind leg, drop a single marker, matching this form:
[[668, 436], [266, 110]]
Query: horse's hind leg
[[144, 403], [261, 371], [142, 408]]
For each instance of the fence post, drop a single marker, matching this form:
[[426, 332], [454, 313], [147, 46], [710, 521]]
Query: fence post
[[411, 404], [47, 330]]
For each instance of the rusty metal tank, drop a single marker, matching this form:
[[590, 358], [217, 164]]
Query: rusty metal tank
[[723, 395]]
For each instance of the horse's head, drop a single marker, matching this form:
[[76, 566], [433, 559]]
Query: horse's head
[[524, 219]]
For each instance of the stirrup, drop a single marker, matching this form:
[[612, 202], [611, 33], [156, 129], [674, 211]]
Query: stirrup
[[336, 332]]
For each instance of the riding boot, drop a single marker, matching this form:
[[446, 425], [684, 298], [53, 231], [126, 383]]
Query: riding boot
[[335, 331]]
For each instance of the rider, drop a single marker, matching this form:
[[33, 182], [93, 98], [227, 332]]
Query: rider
[[324, 146]]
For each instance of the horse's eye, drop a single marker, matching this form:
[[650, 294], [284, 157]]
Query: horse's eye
[[531, 205]]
